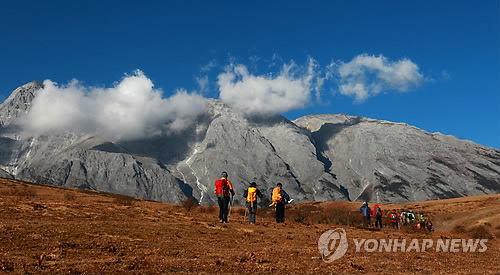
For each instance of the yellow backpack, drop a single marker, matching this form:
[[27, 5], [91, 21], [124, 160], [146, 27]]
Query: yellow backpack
[[252, 195], [277, 196]]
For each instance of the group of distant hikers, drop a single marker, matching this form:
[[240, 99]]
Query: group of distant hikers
[[224, 193], [397, 220]]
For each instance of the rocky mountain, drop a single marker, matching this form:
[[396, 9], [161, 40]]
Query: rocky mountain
[[317, 157]]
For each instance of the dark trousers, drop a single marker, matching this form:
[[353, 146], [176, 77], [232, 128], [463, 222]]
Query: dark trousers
[[280, 212], [223, 204], [378, 221], [368, 220], [395, 224], [252, 211]]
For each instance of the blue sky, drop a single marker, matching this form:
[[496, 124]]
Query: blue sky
[[455, 45]]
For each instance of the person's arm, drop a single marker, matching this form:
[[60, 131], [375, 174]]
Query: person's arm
[[259, 194], [230, 187], [285, 196], [245, 194]]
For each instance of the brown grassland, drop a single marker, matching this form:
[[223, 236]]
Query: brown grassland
[[52, 230]]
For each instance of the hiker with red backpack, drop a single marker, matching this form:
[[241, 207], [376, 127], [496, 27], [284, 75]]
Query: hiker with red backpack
[[377, 213], [251, 195], [223, 192], [394, 219], [280, 198]]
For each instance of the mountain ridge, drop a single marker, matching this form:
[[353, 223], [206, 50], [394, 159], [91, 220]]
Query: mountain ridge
[[316, 157]]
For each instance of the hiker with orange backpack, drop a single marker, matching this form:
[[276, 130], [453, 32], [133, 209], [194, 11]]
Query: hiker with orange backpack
[[251, 195], [223, 192], [280, 198]]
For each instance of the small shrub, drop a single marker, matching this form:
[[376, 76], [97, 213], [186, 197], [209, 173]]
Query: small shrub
[[338, 215], [123, 200], [25, 192], [480, 232], [189, 204], [207, 209], [459, 229], [297, 215], [69, 196], [6, 266]]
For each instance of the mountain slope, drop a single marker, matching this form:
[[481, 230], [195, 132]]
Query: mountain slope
[[397, 162], [319, 157]]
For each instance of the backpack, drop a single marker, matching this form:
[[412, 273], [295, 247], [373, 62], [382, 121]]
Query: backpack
[[277, 195], [252, 195], [222, 188], [394, 217], [411, 217], [378, 212]]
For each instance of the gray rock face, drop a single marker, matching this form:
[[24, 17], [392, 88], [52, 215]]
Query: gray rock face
[[18, 102], [5, 175], [394, 162], [320, 157]]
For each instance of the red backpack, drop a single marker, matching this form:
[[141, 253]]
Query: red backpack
[[221, 187]]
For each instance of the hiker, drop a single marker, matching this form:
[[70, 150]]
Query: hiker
[[251, 195], [394, 219], [280, 198], [411, 216], [223, 192], [429, 226], [402, 217], [377, 213], [422, 219], [365, 210]]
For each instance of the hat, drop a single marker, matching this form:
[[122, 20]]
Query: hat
[[223, 174], [253, 184], [279, 184], [365, 203]]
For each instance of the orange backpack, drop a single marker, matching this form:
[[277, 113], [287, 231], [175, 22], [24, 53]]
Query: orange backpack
[[277, 195]]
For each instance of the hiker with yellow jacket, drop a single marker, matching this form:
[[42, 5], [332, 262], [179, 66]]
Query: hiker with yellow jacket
[[251, 195], [280, 198]]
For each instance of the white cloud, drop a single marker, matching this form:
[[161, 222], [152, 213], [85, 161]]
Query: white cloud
[[253, 94], [365, 76], [208, 67], [130, 110], [203, 83]]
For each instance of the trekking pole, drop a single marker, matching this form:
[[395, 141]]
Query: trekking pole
[[230, 204]]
